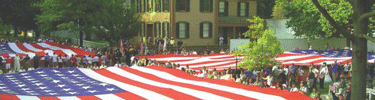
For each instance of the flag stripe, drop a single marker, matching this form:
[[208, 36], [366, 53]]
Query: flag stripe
[[200, 88], [129, 96], [69, 98], [32, 48], [8, 97], [109, 97], [48, 98], [245, 90], [14, 47], [164, 75], [27, 97], [188, 91], [163, 91], [136, 90], [88, 97]]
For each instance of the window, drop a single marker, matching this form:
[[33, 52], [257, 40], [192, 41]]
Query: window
[[206, 5], [166, 5], [243, 9], [205, 30], [182, 30], [182, 5], [223, 8]]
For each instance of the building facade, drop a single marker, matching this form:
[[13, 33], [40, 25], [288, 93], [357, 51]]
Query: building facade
[[195, 22]]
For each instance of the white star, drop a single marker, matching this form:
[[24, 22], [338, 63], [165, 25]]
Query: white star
[[52, 93], [26, 76], [2, 84], [39, 72], [47, 91], [86, 87], [110, 89], [75, 75], [56, 71], [43, 75], [81, 77], [48, 78], [103, 84], [67, 89], [71, 71], [80, 84], [92, 91], [34, 81], [34, 93], [3, 87], [29, 91], [72, 93], [65, 77], [37, 84], [11, 78], [25, 89], [17, 83], [60, 85], [23, 74], [42, 88], [60, 74], [30, 79], [74, 82], [14, 80], [56, 81], [8, 76], [22, 85]]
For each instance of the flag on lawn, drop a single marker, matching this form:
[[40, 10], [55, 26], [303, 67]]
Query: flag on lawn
[[135, 83]]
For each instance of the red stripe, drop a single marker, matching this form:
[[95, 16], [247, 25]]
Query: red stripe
[[88, 97], [199, 88], [48, 98], [129, 96], [164, 91], [303, 58], [289, 54], [216, 66], [205, 62], [8, 97], [38, 46], [286, 95], [23, 48]]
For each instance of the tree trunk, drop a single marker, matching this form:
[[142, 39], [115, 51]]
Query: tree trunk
[[15, 30], [25, 34], [359, 54], [37, 34], [81, 38], [88, 36]]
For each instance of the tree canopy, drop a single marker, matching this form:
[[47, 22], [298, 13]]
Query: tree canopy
[[262, 51], [107, 19]]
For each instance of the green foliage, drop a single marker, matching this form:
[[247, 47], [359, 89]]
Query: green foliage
[[108, 19], [278, 11], [307, 22], [19, 13], [261, 52], [264, 8], [256, 28]]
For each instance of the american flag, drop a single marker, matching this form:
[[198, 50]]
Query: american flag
[[136, 83], [332, 87], [224, 61]]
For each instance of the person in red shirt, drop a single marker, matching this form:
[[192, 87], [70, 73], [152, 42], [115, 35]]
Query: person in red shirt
[[73, 60]]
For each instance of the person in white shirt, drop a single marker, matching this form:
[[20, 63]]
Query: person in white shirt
[[96, 60], [322, 73], [221, 41], [222, 51], [60, 61], [302, 89], [54, 60], [275, 68], [103, 59], [31, 68], [294, 88], [117, 64], [346, 68], [64, 60], [89, 61]]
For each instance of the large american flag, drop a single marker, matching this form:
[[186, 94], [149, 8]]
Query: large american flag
[[224, 61], [135, 83]]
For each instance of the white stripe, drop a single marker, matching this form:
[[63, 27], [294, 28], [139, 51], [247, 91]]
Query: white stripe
[[133, 89], [15, 48], [66, 51], [251, 94], [109, 97], [22, 97], [69, 98], [210, 64], [32, 48], [292, 57], [188, 91], [315, 59], [173, 58]]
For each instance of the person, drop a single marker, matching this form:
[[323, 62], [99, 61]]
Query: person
[[302, 88], [73, 61], [222, 51], [318, 96], [3, 69], [179, 43], [313, 94], [346, 68], [301, 72], [294, 88], [78, 60], [65, 60], [334, 71], [104, 58], [46, 60], [281, 78], [54, 60], [127, 57], [60, 61], [26, 61], [36, 61], [340, 69], [268, 79], [221, 41], [17, 66], [89, 61], [96, 60], [323, 72], [172, 41]]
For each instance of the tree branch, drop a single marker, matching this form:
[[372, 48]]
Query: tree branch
[[366, 15], [368, 38], [339, 29]]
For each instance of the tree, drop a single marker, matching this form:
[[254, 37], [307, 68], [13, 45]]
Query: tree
[[261, 51], [100, 17], [347, 18], [278, 11], [264, 8]]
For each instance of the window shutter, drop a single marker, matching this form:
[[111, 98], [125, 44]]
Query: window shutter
[[160, 6], [211, 7], [178, 7], [201, 30], [210, 31], [187, 5], [166, 5], [238, 9], [187, 30], [144, 29], [226, 8], [160, 30], [201, 6], [177, 30], [247, 10], [155, 29]]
